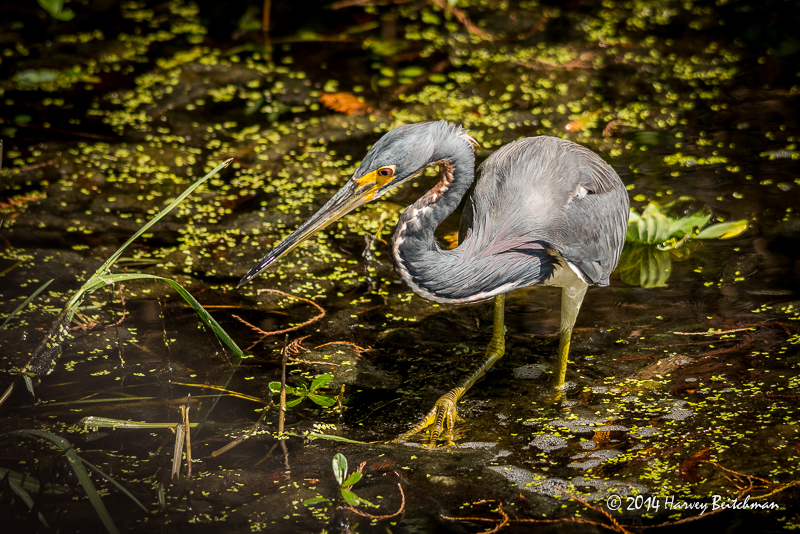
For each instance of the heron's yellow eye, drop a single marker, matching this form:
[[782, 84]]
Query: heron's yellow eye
[[385, 171]]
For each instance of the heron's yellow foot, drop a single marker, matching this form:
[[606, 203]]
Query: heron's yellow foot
[[441, 419], [556, 396]]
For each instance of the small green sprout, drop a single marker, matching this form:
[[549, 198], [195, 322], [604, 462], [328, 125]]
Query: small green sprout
[[311, 392], [345, 483]]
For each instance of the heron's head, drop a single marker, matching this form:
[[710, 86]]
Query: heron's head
[[397, 157]]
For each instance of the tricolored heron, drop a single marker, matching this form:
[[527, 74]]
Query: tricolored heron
[[545, 211]]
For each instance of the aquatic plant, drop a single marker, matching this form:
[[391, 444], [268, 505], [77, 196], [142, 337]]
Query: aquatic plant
[[345, 483], [653, 227], [45, 355], [646, 260], [307, 392], [76, 463]]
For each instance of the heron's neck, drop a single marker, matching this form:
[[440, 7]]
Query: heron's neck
[[419, 260]]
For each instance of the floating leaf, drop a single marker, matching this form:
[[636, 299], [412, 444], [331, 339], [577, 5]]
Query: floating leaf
[[724, 230], [685, 225], [315, 500], [411, 72], [32, 77]]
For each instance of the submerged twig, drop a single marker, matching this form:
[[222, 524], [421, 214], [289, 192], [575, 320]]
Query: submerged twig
[[505, 519], [296, 346], [362, 349], [238, 441], [715, 332], [617, 527], [370, 516], [282, 411]]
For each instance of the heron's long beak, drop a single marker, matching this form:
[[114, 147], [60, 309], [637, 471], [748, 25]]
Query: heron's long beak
[[354, 194]]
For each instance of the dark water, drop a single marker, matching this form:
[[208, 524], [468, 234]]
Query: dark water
[[681, 391]]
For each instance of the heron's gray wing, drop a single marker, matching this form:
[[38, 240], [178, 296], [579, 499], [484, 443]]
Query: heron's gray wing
[[560, 193], [594, 222]]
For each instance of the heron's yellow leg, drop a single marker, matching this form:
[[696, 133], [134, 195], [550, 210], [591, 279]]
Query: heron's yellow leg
[[571, 300], [444, 414]]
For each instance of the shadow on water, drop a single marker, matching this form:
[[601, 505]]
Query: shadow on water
[[683, 383]]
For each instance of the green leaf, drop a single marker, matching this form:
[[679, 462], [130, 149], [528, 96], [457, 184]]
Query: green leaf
[[31, 484], [724, 230], [315, 500], [172, 205], [339, 467], [354, 500], [350, 497], [104, 280], [117, 484], [275, 387], [27, 301], [685, 225], [322, 400], [294, 402], [15, 486], [320, 381], [352, 479], [651, 228], [651, 207], [22, 494]]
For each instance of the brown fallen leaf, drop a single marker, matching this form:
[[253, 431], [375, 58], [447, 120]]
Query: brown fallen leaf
[[347, 103]]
